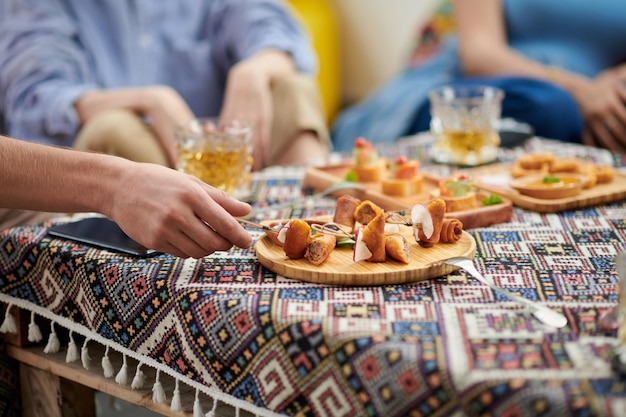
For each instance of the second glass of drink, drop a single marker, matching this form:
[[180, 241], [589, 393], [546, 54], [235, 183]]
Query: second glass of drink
[[464, 121]]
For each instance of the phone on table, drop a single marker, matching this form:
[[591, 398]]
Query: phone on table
[[101, 232]]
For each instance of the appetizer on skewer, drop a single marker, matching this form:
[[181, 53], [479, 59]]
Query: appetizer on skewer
[[368, 229], [403, 178], [368, 166]]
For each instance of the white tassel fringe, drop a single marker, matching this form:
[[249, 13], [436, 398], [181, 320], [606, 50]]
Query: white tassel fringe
[[34, 332], [72, 351], [213, 409], [8, 325], [84, 355], [176, 404], [138, 379], [107, 368], [53, 345], [197, 408], [122, 375], [158, 393]]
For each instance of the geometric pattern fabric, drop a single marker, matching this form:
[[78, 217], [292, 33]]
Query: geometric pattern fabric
[[442, 347]]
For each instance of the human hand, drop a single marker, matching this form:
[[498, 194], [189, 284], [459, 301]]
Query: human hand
[[176, 213], [604, 109], [165, 109], [248, 95]]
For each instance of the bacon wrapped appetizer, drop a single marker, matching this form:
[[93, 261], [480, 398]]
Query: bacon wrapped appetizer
[[428, 236], [451, 230], [370, 241], [367, 211], [397, 247], [320, 247], [295, 237], [345, 209]]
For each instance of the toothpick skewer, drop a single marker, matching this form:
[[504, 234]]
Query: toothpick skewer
[[332, 229], [398, 217], [254, 225]]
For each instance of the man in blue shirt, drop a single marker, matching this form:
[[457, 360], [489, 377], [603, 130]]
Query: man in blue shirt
[[118, 76]]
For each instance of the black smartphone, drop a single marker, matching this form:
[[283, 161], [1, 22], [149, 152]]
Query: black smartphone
[[101, 232]]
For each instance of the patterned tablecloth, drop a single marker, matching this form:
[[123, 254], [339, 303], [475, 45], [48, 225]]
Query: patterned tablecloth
[[266, 344]]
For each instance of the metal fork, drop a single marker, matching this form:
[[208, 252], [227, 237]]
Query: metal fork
[[542, 313]]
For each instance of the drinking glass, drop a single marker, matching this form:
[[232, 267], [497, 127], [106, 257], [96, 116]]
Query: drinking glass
[[217, 151], [464, 121]]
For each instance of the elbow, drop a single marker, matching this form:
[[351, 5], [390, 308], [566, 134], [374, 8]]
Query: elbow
[[474, 60]]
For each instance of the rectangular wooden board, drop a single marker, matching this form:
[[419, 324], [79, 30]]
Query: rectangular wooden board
[[320, 178], [495, 178]]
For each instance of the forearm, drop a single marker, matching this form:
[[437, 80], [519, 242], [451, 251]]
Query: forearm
[[38, 177], [270, 64], [511, 63], [484, 49], [97, 101]]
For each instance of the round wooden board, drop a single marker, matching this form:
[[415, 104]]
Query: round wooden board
[[340, 269]]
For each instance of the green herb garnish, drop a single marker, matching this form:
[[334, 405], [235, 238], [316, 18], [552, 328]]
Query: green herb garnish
[[459, 188], [491, 200], [344, 241], [550, 180], [351, 176]]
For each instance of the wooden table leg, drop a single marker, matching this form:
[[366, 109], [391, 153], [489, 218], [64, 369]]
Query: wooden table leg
[[41, 392], [47, 395]]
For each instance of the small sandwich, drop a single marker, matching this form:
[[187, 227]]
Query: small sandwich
[[368, 165], [403, 179], [458, 193]]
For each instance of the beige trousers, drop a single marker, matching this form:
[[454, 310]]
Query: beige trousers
[[297, 108]]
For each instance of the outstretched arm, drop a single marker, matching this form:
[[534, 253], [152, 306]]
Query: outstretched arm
[[161, 208]]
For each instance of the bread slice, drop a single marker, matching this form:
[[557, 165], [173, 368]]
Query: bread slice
[[371, 173], [467, 202], [402, 187]]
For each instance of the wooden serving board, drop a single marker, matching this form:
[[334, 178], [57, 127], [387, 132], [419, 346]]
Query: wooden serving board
[[340, 269], [495, 178], [320, 178]]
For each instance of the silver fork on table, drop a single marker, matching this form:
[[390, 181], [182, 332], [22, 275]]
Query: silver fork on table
[[542, 313]]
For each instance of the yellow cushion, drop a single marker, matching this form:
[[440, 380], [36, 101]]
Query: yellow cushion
[[320, 19]]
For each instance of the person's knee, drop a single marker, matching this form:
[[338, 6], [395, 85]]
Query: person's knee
[[298, 111], [121, 133], [106, 130], [297, 85]]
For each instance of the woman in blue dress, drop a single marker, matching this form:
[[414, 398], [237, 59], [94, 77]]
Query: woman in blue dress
[[562, 66]]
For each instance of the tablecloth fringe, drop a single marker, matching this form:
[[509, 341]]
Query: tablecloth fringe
[[53, 345]]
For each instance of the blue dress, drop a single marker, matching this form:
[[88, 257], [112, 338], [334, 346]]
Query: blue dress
[[578, 35]]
